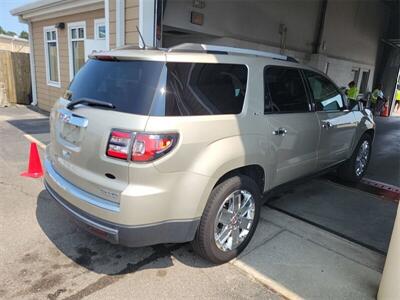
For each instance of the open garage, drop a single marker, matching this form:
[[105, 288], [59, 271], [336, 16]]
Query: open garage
[[347, 40]]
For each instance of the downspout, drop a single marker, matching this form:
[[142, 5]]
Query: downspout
[[31, 60], [320, 29], [107, 21]]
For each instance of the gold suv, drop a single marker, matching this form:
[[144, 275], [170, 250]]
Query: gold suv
[[176, 145]]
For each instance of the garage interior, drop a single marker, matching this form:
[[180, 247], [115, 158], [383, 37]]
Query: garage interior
[[347, 40]]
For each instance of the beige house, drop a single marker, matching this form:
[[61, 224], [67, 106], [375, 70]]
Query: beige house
[[13, 44], [64, 32]]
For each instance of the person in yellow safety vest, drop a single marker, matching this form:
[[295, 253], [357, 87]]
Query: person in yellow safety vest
[[377, 99], [397, 97], [352, 94]]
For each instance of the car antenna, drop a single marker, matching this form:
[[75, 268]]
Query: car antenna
[[141, 37]]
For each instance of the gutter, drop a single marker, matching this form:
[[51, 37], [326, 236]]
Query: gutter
[[31, 60]]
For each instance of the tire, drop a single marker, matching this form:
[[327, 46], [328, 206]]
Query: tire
[[205, 243], [348, 171]]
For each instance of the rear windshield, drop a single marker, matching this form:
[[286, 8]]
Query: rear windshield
[[163, 89], [129, 85]]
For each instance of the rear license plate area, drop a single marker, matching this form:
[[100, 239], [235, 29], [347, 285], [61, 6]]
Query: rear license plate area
[[70, 133]]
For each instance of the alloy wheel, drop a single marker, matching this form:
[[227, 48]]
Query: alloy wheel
[[234, 220]]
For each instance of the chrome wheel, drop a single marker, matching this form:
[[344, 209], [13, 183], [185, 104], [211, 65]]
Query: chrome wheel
[[362, 158], [234, 220]]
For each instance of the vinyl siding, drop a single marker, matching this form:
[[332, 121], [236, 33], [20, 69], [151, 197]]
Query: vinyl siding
[[131, 21], [46, 94]]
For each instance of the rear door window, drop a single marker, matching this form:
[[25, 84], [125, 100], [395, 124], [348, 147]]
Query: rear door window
[[129, 85], [325, 94], [284, 91], [190, 89]]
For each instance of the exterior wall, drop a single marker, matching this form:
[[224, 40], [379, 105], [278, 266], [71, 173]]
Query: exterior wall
[[354, 32], [14, 45], [131, 21], [46, 94], [350, 38], [251, 21]]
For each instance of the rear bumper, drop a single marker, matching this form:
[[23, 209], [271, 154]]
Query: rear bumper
[[177, 231]]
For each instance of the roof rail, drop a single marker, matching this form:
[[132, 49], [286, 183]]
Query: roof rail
[[214, 49]]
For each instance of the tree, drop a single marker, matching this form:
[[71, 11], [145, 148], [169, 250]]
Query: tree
[[24, 35], [11, 33]]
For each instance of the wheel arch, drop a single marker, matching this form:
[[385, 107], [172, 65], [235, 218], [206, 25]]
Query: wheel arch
[[254, 171]]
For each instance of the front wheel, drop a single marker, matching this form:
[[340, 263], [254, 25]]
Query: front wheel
[[356, 166], [229, 219]]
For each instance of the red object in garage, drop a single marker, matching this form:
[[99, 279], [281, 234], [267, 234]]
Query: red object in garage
[[385, 111], [35, 166]]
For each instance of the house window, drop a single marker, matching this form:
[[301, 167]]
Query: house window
[[76, 37], [51, 56], [100, 29]]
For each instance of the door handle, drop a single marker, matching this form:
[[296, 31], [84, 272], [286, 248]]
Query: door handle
[[326, 125], [280, 131]]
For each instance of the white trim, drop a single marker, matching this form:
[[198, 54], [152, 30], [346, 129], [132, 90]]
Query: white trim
[[147, 22], [32, 65], [69, 27], [107, 21], [120, 23], [46, 56], [46, 9], [97, 24]]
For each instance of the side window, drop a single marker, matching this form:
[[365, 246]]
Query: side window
[[325, 94], [284, 91], [202, 89]]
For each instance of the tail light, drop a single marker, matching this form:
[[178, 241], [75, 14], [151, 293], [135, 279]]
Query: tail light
[[119, 143], [146, 147]]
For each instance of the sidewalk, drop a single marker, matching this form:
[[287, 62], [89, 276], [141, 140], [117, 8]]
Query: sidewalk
[[299, 260]]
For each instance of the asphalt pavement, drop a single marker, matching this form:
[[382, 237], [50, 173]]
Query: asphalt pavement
[[385, 159], [320, 240], [46, 256]]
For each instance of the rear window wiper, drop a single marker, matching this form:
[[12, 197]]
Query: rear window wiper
[[90, 102]]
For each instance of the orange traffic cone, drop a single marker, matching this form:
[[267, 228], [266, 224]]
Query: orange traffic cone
[[385, 111], [35, 166]]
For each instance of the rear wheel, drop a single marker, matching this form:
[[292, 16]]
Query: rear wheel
[[356, 166], [229, 219]]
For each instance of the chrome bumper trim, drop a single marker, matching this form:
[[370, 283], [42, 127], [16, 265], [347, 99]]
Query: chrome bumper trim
[[111, 231], [77, 192]]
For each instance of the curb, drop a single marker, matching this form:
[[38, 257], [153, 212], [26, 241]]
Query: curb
[[268, 282]]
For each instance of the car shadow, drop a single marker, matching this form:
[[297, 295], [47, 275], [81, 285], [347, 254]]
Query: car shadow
[[100, 256]]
